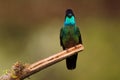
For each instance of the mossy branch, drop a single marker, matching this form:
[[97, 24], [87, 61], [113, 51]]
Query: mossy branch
[[21, 71]]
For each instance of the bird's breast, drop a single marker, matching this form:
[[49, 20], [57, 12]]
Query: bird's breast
[[70, 38]]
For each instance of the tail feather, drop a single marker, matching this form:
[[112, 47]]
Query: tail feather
[[71, 62]]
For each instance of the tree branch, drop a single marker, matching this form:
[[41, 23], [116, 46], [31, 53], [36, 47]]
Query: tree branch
[[21, 71]]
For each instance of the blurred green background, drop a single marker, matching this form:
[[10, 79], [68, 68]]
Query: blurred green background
[[29, 31]]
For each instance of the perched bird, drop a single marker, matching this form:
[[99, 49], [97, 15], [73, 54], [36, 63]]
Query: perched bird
[[69, 37]]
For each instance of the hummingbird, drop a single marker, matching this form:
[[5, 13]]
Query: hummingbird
[[69, 37]]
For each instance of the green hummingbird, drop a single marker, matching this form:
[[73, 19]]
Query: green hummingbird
[[69, 37]]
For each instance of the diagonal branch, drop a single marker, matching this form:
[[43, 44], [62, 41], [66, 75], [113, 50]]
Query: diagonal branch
[[21, 71]]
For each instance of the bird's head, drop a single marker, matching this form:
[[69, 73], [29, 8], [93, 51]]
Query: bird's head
[[69, 18]]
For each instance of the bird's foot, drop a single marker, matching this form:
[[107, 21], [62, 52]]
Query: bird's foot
[[76, 47], [67, 51]]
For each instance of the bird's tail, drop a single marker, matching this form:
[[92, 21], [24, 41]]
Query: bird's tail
[[71, 62]]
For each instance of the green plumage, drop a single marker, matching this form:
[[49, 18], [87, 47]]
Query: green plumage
[[69, 37]]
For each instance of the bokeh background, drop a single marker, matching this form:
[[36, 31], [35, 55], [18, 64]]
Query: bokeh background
[[29, 31]]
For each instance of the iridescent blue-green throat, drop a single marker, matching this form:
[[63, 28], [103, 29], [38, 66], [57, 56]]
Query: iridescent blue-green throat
[[69, 21]]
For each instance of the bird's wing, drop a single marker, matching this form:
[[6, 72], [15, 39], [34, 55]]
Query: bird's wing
[[61, 36], [79, 34]]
